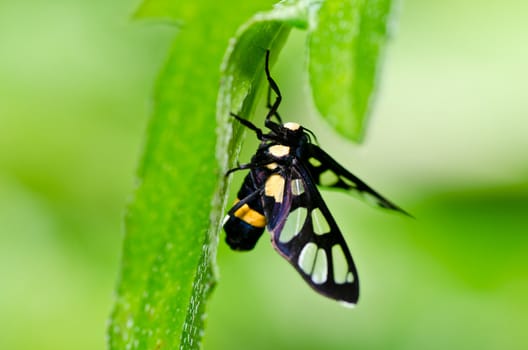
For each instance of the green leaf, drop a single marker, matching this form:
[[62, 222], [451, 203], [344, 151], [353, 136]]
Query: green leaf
[[172, 223], [166, 271], [346, 42]]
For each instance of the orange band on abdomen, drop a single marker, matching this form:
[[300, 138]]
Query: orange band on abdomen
[[250, 216]]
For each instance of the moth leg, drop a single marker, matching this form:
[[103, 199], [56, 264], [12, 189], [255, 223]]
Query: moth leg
[[239, 167], [251, 165], [270, 106], [248, 125], [245, 200], [273, 108]]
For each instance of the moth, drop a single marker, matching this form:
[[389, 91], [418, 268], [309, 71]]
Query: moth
[[280, 193]]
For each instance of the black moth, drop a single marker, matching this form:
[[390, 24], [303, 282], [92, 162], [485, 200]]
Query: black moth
[[280, 193]]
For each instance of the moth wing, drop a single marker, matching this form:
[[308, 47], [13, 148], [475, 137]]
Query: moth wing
[[326, 172], [305, 233]]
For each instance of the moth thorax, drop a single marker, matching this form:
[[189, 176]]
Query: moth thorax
[[272, 166], [292, 126], [279, 151]]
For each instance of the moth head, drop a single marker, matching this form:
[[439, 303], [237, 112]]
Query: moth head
[[292, 126], [293, 132]]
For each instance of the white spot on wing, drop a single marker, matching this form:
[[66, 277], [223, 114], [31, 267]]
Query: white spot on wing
[[320, 270], [320, 225], [293, 225], [340, 264], [370, 199], [297, 187], [350, 277], [328, 178], [347, 304], [314, 162], [307, 257], [348, 182]]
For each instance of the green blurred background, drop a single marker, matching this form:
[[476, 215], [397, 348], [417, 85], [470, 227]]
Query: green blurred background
[[447, 142]]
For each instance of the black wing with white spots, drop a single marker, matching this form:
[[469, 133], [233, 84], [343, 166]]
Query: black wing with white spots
[[305, 233], [326, 172]]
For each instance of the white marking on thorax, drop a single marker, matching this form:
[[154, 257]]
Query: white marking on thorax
[[279, 151], [272, 166], [274, 187], [292, 126]]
